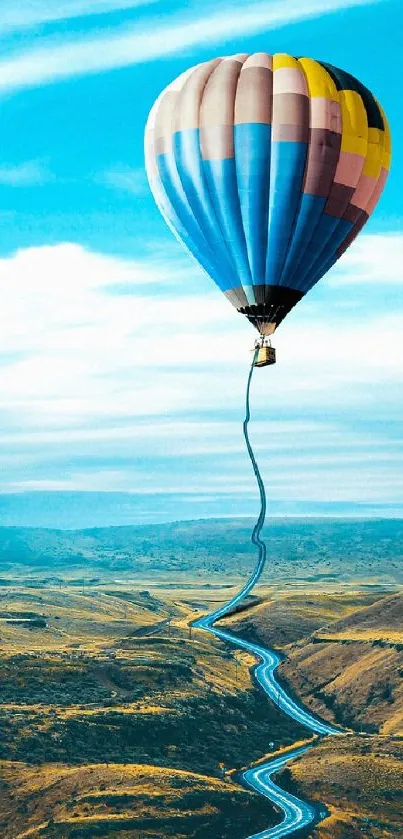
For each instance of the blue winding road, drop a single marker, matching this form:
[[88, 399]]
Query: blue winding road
[[296, 813]]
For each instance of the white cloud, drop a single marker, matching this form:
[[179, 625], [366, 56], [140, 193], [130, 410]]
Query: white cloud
[[375, 258], [29, 173], [125, 179], [363, 483], [34, 13], [58, 309], [155, 39], [88, 375]]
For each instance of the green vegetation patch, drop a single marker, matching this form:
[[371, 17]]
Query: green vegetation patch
[[196, 734]]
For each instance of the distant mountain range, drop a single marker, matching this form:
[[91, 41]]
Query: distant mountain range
[[319, 549]]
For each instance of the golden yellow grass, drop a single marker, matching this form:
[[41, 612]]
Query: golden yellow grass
[[356, 683], [86, 628], [85, 795], [351, 670], [87, 619], [379, 621], [361, 781], [286, 616], [390, 636]]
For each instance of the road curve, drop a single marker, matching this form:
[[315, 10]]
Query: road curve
[[296, 813]]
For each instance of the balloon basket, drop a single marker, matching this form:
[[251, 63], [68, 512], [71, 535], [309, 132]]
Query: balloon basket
[[266, 354]]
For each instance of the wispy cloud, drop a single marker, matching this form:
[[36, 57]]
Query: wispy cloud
[[109, 392], [23, 15], [157, 38], [376, 258], [125, 179], [29, 173]]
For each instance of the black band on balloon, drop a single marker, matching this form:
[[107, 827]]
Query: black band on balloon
[[345, 81], [275, 303]]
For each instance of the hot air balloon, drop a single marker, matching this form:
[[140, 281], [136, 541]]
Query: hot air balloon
[[266, 167]]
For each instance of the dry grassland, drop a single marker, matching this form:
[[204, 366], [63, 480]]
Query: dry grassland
[[117, 675], [120, 801], [351, 670], [361, 781]]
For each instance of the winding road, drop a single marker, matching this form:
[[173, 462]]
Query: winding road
[[296, 813]]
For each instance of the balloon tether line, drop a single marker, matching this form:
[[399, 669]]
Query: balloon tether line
[[261, 545], [209, 620]]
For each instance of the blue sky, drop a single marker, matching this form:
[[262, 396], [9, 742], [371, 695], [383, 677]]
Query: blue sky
[[106, 385]]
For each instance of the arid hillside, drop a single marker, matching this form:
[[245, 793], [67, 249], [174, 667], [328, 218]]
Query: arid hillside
[[381, 621], [352, 670], [124, 801], [282, 617], [116, 718], [361, 781]]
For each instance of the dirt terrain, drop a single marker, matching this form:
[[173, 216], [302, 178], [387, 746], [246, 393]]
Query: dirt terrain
[[119, 801], [349, 670], [352, 669], [119, 720], [361, 781], [116, 718]]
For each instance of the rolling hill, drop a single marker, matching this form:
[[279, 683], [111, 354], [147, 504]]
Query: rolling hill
[[321, 550], [351, 670]]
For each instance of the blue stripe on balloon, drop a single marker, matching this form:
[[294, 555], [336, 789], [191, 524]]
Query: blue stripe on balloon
[[330, 255], [309, 213], [323, 270], [189, 164], [195, 240], [232, 218], [222, 185], [170, 216], [252, 156], [325, 267], [286, 177], [319, 239], [326, 239]]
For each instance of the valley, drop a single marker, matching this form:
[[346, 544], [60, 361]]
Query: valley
[[118, 718]]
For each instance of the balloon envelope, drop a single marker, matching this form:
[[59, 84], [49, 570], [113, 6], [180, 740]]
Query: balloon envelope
[[266, 168]]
